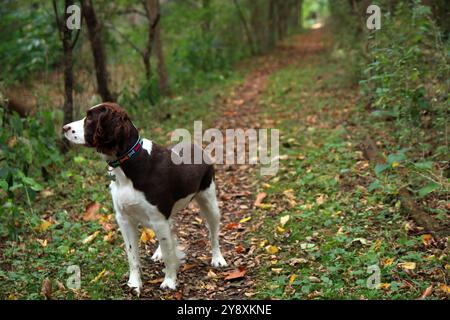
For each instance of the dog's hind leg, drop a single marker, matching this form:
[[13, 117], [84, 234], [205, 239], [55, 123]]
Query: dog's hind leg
[[209, 210], [157, 255]]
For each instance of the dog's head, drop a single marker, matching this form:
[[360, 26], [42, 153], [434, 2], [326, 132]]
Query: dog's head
[[106, 127]]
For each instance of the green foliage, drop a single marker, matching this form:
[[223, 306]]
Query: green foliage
[[29, 40], [408, 73], [28, 151]]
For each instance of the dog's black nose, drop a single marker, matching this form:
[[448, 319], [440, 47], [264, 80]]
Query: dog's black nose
[[66, 128]]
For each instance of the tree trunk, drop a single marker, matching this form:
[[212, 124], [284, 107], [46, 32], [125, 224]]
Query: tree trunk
[[98, 51], [68, 64], [248, 34], [271, 32], [152, 11], [163, 82]]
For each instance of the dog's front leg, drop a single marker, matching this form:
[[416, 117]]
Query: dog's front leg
[[168, 249], [130, 238]]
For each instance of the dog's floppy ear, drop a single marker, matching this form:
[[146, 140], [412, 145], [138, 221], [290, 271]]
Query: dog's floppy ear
[[103, 135], [112, 132]]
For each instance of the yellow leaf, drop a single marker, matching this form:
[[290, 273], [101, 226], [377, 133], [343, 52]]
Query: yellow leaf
[[245, 220], [91, 237], [447, 266], [292, 278], [280, 230], [444, 288], [262, 243], [147, 235], [109, 237], [384, 286], [43, 243], [44, 226], [284, 220], [11, 297], [277, 270], [265, 206], [387, 261], [395, 164], [377, 244], [100, 275], [407, 265], [274, 261], [211, 274], [271, 249]]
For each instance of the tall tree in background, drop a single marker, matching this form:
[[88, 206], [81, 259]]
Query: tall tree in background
[[163, 82], [98, 51], [68, 45]]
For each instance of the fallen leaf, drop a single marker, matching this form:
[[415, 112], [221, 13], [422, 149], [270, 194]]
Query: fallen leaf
[[427, 239], [155, 281], [407, 265], [100, 275], [280, 230], [284, 220], [277, 270], [43, 243], [427, 292], [444, 288], [46, 193], [289, 194], [91, 237], [231, 225], [295, 261], [236, 274], [292, 278], [91, 211], [384, 286], [188, 267], [45, 224], [259, 198], [387, 261], [265, 206], [178, 295], [147, 235], [314, 279], [245, 219], [212, 274], [46, 289], [272, 249], [320, 199], [360, 240], [240, 249], [109, 237]]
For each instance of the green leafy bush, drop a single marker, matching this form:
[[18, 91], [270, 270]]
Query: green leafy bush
[[28, 151]]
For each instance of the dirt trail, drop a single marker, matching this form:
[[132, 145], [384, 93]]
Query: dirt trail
[[197, 279]]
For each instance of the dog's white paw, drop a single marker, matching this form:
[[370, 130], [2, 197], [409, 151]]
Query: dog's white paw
[[157, 256], [135, 284], [169, 283], [218, 261]]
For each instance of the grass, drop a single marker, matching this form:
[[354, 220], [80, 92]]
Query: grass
[[338, 230]]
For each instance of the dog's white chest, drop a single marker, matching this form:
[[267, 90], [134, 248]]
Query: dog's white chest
[[131, 202]]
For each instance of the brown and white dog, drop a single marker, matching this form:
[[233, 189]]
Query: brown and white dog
[[148, 188]]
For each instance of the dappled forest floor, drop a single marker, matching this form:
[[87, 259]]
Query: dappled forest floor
[[315, 230]]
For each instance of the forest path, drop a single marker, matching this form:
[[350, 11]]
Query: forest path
[[236, 191]]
